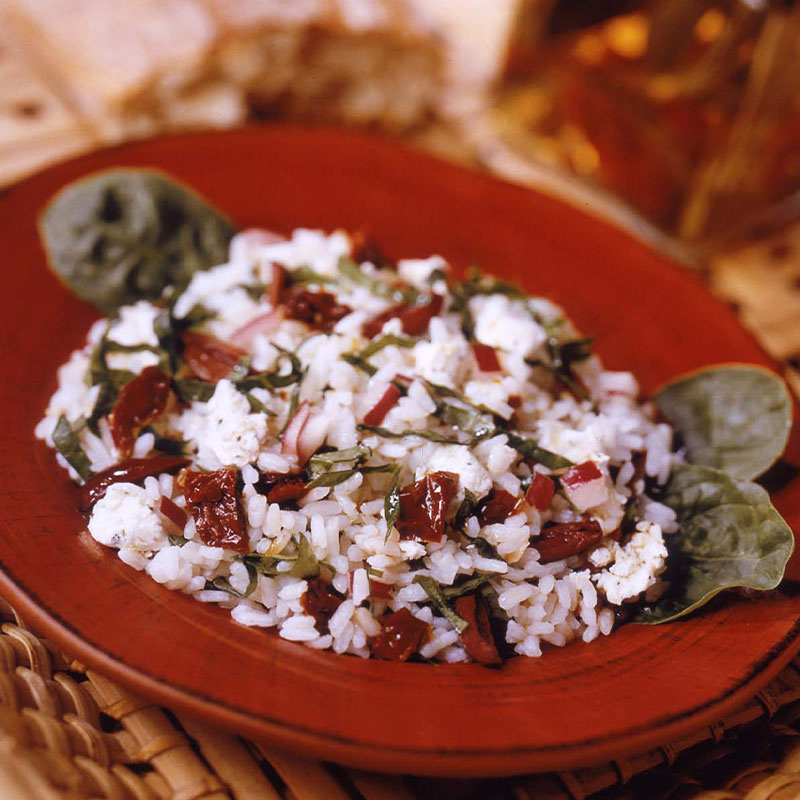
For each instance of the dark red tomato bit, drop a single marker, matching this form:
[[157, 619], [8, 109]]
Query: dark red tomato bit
[[477, 637], [210, 359], [133, 470], [567, 539], [364, 248], [402, 634], [414, 319], [139, 401], [279, 275], [282, 487], [423, 506], [319, 310], [216, 509], [378, 590], [540, 492], [175, 515], [404, 381], [496, 507], [376, 414], [485, 357], [515, 401], [320, 601]]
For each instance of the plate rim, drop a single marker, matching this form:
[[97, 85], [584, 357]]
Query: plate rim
[[52, 624], [328, 747]]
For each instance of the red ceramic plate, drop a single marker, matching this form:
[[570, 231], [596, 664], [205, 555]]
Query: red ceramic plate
[[640, 687]]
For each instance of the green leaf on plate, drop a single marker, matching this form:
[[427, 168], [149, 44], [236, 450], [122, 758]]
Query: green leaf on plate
[[735, 417], [730, 536], [123, 235]]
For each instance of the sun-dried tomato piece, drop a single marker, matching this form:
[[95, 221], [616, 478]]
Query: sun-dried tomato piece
[[423, 506], [387, 402], [413, 318], [279, 275], [567, 539], [216, 509], [319, 310], [133, 470], [402, 634], [379, 590], [540, 492], [485, 357], [320, 601], [477, 638], [496, 507], [364, 248], [139, 401], [210, 359], [282, 487], [175, 515]]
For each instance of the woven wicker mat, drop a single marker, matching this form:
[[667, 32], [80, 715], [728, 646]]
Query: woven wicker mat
[[67, 732]]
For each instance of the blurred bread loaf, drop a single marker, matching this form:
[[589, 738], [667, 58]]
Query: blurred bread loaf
[[36, 127], [359, 61], [132, 67]]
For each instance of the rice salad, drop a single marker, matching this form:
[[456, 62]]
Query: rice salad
[[370, 457]]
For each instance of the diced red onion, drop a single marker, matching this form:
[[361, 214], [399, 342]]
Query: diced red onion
[[585, 485], [387, 402]]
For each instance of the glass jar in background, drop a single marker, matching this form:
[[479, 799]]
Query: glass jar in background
[[687, 110]]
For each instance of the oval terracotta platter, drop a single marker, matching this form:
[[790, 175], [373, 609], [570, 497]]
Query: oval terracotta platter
[[640, 687]]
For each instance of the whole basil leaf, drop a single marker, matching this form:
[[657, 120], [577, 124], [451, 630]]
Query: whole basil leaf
[[730, 536], [124, 235], [735, 417]]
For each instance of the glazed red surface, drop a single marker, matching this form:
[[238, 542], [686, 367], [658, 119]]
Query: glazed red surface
[[640, 687]]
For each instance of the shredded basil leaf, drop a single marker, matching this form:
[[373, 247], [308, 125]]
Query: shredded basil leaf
[[465, 587], [224, 585], [429, 435], [304, 564], [440, 602], [276, 378], [190, 390], [177, 541], [257, 407], [197, 315], [322, 462], [468, 420], [66, 442], [307, 275], [493, 602], [527, 448], [333, 478], [483, 548], [467, 509], [379, 288], [391, 503], [239, 370], [387, 340], [359, 359], [359, 363]]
